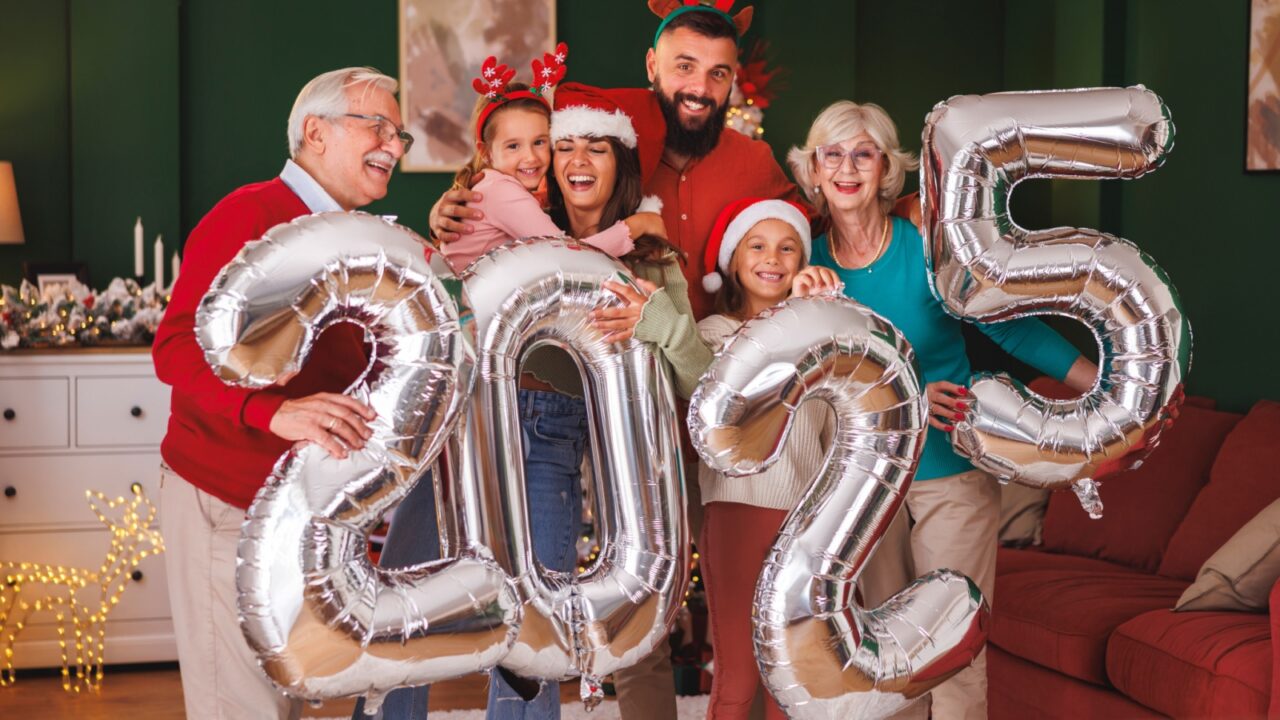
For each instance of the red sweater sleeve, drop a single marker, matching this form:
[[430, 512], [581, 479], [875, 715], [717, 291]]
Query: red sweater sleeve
[[178, 358]]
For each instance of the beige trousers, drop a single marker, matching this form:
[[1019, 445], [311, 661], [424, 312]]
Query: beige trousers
[[220, 674], [947, 522]]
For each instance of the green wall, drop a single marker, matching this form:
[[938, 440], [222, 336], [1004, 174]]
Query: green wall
[[35, 124], [1209, 224], [89, 118], [124, 133], [114, 108]]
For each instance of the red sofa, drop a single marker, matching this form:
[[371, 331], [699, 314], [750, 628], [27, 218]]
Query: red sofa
[[1082, 626]]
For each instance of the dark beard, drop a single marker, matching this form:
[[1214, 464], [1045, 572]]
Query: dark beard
[[691, 143]]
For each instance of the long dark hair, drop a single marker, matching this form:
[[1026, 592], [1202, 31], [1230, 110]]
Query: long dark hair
[[731, 300], [622, 204], [463, 178]]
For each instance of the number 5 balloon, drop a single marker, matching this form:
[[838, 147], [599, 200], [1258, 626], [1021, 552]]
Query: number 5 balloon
[[986, 268], [821, 655], [323, 621]]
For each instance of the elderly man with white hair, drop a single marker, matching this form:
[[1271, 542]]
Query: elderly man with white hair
[[344, 142]]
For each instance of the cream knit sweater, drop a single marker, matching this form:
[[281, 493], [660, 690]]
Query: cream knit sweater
[[781, 486]]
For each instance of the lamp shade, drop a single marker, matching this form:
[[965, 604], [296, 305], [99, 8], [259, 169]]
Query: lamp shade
[[10, 218]]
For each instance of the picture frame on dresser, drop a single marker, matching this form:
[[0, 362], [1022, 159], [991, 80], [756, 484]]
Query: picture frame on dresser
[[54, 282], [44, 272]]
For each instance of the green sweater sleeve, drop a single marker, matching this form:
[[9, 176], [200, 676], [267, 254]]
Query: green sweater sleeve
[[667, 322]]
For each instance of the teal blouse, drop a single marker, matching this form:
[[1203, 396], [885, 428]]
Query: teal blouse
[[897, 287]]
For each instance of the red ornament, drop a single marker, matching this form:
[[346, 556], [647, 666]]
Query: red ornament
[[756, 83]]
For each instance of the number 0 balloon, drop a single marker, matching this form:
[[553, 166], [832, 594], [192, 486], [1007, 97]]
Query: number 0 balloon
[[541, 292], [986, 268]]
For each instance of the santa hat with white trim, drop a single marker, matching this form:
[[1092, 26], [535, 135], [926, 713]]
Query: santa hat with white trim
[[735, 221], [631, 115]]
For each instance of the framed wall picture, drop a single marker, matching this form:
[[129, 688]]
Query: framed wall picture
[[442, 45], [1262, 138]]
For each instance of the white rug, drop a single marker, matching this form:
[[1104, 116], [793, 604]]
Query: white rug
[[693, 707]]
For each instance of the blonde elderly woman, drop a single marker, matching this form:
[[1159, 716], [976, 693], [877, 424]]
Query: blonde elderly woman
[[852, 168]]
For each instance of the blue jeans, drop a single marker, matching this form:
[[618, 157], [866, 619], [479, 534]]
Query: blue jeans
[[554, 427]]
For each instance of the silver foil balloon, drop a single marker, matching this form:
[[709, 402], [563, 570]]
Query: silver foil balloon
[[540, 292], [821, 655], [322, 619], [986, 268]]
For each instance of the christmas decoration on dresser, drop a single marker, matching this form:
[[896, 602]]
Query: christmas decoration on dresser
[[64, 315], [80, 598], [755, 88]]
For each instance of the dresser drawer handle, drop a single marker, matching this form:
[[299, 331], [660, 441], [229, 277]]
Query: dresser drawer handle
[[136, 575], [9, 414], [135, 411], [10, 491]]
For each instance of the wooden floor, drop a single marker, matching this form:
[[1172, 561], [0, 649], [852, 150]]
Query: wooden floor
[[155, 693]]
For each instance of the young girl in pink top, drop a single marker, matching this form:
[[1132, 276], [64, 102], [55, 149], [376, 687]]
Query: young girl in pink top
[[513, 149]]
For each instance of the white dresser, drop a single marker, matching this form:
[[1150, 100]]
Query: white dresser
[[72, 420]]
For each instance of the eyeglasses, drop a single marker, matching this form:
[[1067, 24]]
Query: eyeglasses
[[864, 156], [386, 130]]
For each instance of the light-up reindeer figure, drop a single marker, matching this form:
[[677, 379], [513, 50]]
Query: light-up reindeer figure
[[79, 598]]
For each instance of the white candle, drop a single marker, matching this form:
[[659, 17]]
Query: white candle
[[159, 263], [137, 248], [175, 267]]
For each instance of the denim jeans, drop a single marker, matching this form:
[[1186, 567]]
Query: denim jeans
[[554, 429], [555, 433]]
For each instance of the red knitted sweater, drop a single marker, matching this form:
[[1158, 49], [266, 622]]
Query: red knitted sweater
[[218, 436]]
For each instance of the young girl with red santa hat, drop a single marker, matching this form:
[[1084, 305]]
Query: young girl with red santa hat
[[757, 253]]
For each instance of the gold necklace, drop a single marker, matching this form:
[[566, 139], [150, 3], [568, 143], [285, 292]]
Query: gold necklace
[[884, 235]]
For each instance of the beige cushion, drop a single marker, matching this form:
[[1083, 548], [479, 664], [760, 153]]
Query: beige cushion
[[1240, 575], [1021, 514]]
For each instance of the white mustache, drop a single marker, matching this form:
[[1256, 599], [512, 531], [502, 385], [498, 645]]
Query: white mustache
[[380, 156]]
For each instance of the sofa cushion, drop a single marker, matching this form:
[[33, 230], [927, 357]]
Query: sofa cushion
[[1143, 507], [1239, 577], [1245, 478], [1061, 618], [1194, 664], [1014, 560], [1018, 690]]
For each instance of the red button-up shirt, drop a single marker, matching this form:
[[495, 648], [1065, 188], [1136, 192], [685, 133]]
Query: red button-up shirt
[[693, 196]]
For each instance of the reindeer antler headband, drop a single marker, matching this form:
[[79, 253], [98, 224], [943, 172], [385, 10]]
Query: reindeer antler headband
[[669, 10], [494, 78]]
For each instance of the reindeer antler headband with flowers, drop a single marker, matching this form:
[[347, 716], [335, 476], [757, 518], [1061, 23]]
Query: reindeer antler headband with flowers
[[494, 79], [669, 10]]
